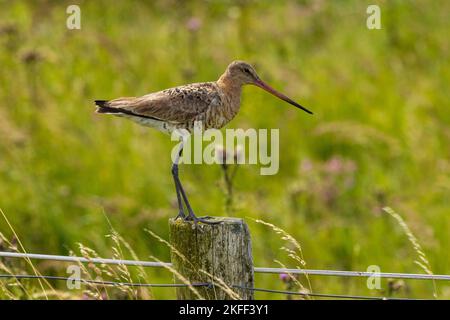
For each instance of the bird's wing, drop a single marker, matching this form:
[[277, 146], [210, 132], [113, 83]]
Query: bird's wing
[[178, 105]]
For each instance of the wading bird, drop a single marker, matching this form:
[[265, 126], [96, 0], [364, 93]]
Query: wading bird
[[213, 104]]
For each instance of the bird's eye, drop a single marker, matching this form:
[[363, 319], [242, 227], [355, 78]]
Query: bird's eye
[[247, 70]]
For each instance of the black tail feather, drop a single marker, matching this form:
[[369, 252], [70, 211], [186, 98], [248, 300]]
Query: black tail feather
[[101, 103], [102, 107]]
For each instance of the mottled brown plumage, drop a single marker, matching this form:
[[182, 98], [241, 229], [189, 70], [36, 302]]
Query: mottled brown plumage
[[213, 103]]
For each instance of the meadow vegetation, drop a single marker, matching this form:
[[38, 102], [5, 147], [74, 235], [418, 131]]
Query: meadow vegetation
[[379, 137]]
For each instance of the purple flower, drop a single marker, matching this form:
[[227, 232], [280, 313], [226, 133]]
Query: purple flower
[[284, 277], [306, 165], [194, 24], [334, 165]]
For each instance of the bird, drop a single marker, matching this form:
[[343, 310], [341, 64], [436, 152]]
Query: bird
[[212, 104]]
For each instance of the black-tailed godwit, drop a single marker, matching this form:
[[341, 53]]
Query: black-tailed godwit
[[213, 104]]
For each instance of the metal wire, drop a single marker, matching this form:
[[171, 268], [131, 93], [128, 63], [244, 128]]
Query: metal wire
[[108, 283], [178, 285], [83, 259], [322, 295], [337, 273]]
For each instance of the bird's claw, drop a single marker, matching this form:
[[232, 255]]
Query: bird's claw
[[196, 220], [180, 215]]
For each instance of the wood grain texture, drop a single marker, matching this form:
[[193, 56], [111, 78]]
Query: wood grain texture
[[223, 250]]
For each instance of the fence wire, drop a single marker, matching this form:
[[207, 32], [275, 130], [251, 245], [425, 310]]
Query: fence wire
[[209, 285], [104, 283], [319, 295], [312, 272]]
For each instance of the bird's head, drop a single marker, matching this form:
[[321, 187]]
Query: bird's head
[[241, 73]]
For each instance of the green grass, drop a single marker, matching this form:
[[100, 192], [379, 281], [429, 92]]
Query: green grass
[[380, 135]]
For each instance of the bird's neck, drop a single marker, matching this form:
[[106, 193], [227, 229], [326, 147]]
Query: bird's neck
[[231, 89]]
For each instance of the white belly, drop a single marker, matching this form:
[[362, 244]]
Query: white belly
[[162, 126]]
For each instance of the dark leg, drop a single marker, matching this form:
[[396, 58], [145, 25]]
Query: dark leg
[[191, 216], [181, 194], [177, 185]]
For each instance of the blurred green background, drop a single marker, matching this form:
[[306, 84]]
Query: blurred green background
[[379, 137]]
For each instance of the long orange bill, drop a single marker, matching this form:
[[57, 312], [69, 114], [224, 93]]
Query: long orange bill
[[271, 90]]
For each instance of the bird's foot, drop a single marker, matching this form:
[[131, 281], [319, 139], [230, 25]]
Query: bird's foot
[[196, 220], [180, 215]]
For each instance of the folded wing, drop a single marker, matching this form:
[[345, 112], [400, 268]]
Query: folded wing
[[176, 105]]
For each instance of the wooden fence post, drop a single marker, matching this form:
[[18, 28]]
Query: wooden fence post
[[207, 253]]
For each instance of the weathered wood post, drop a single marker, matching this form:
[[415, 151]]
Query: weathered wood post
[[207, 253]]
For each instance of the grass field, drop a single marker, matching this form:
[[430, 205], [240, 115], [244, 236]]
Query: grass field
[[380, 135]]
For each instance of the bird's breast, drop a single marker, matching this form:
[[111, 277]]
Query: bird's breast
[[222, 111]]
